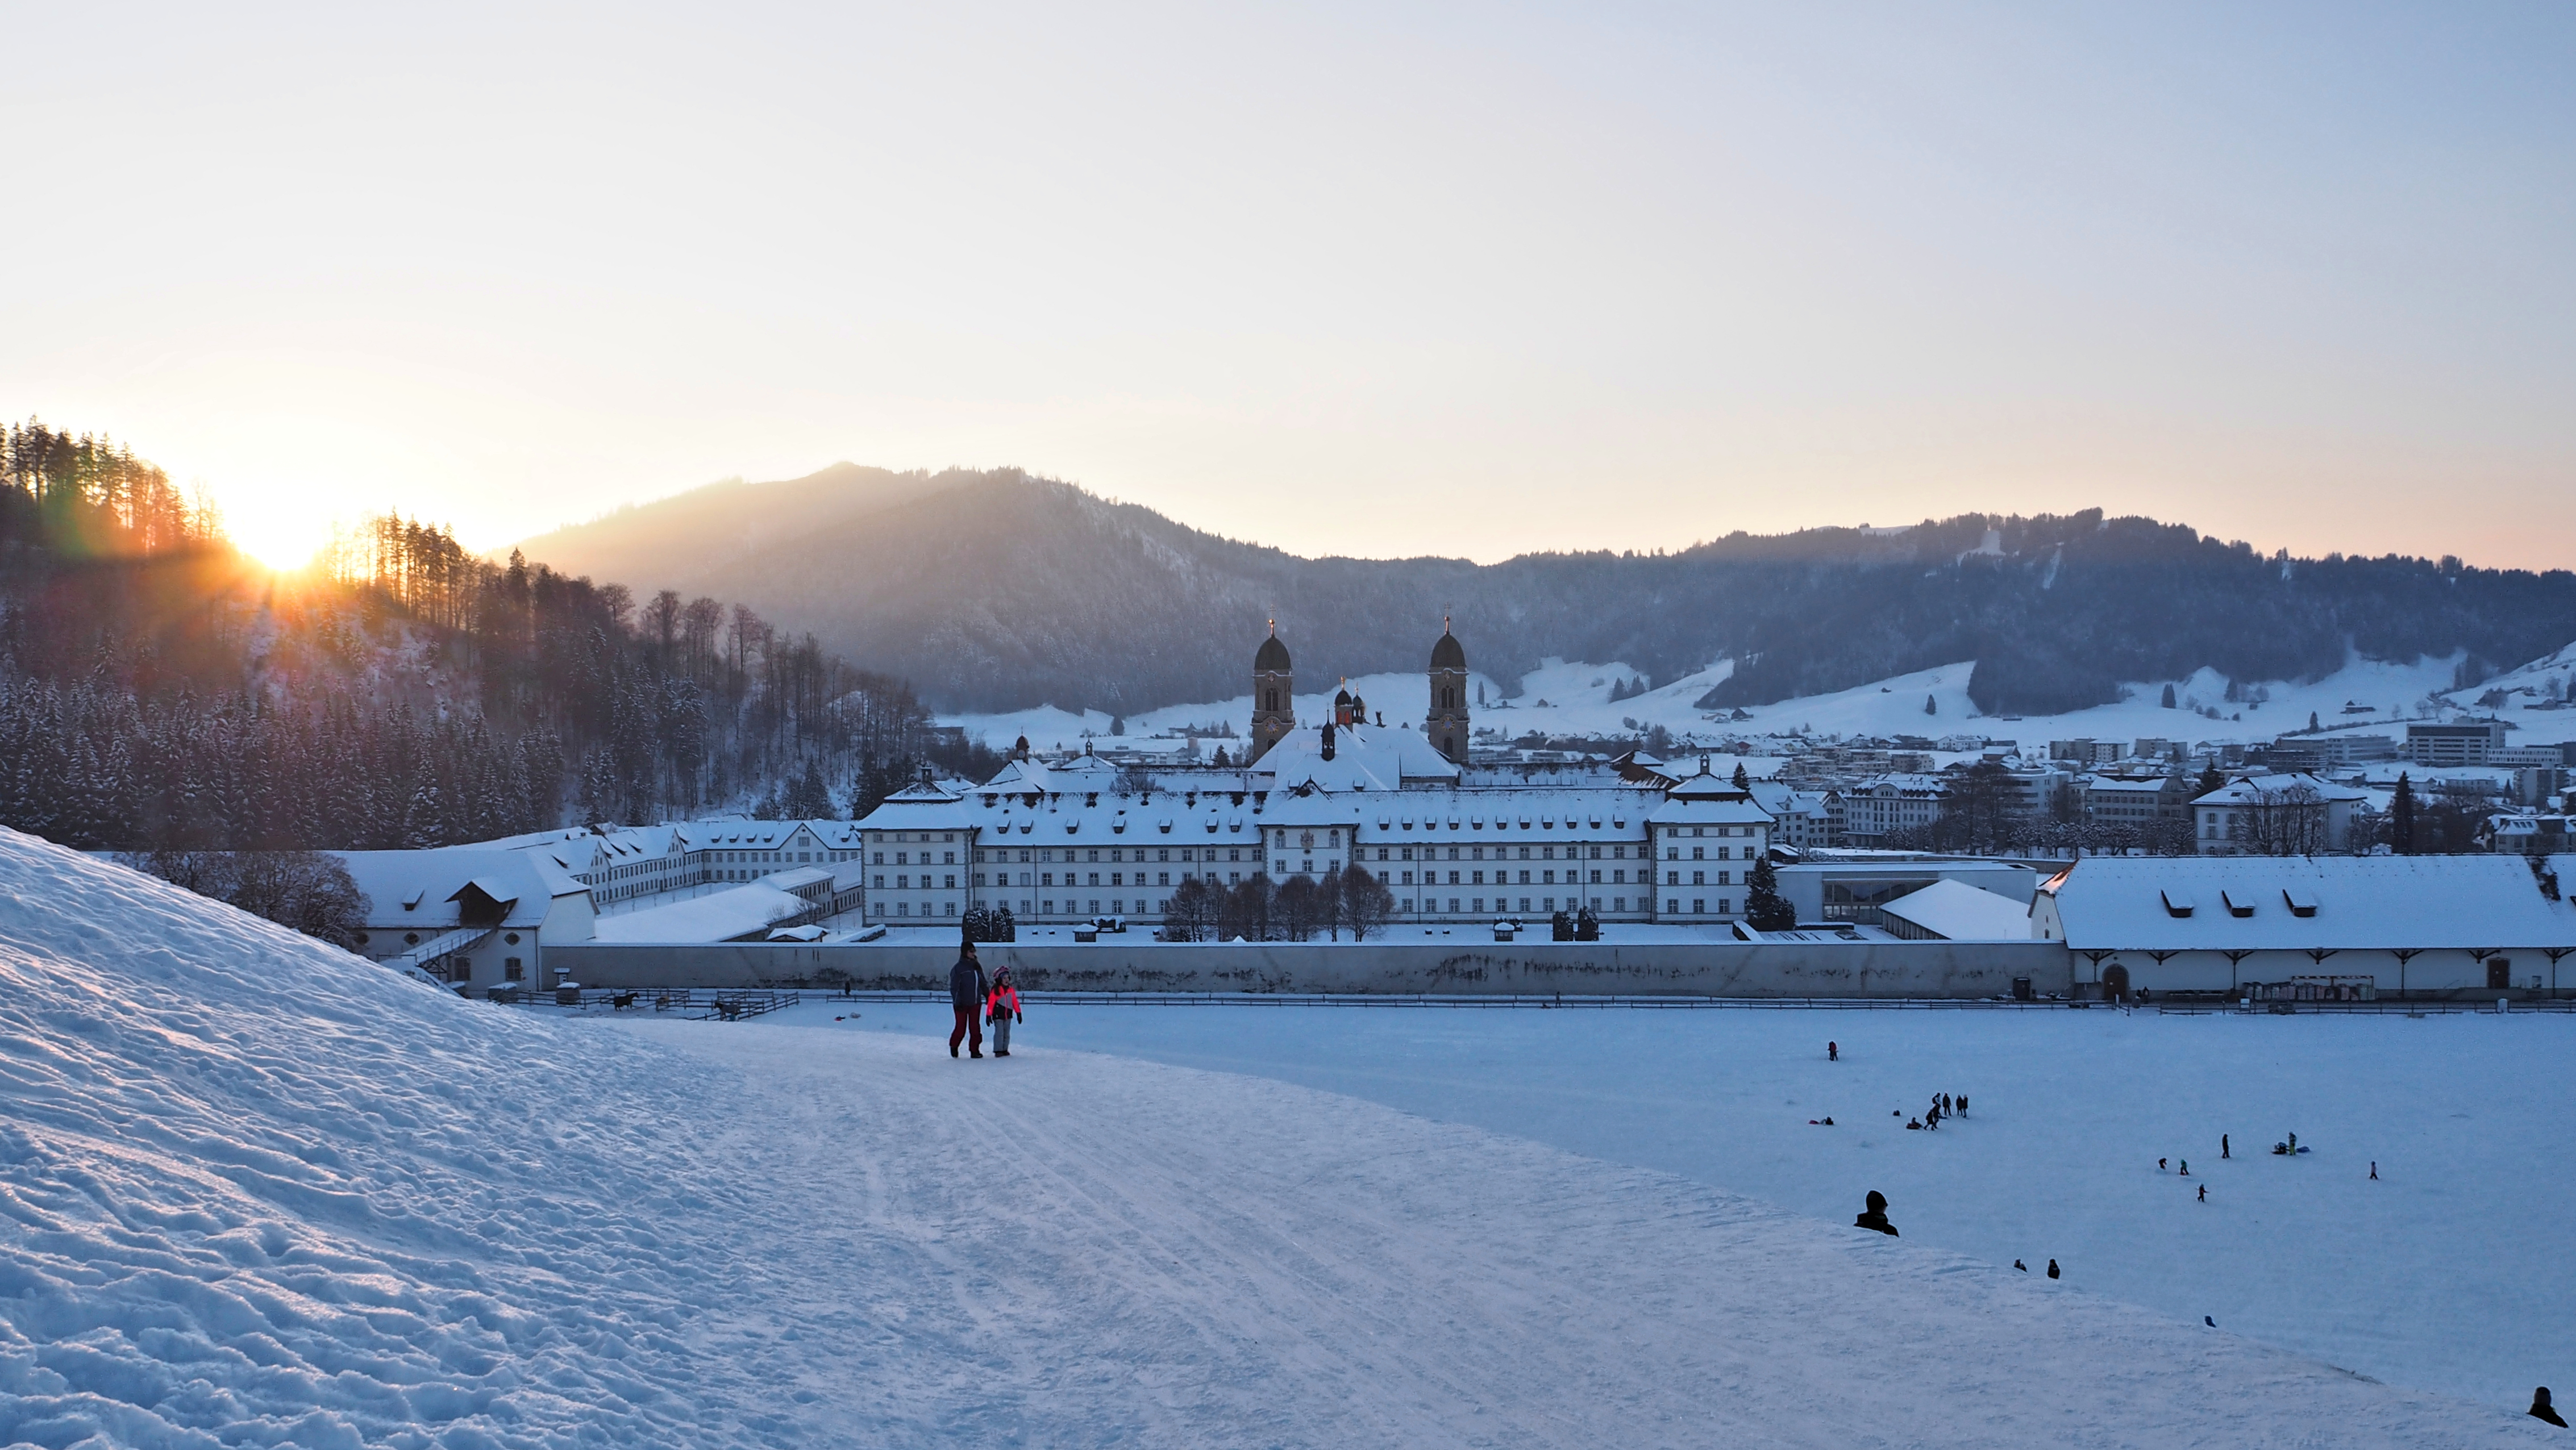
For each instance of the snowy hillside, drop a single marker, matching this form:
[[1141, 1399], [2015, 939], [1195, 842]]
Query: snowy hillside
[[1573, 699], [260, 1193]]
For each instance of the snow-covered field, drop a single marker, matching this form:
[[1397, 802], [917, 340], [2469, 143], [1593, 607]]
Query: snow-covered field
[[2447, 1273], [256, 1192], [1577, 702]]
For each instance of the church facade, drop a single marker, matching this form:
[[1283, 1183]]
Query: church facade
[[1064, 843]]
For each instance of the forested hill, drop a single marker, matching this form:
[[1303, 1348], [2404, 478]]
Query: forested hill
[[159, 691], [998, 590]]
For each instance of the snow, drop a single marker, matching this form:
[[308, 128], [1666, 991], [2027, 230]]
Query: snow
[[254, 1191], [718, 916], [1957, 911], [1577, 702], [2528, 707], [2446, 1275]]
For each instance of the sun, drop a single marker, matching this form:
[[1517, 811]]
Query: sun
[[280, 536]]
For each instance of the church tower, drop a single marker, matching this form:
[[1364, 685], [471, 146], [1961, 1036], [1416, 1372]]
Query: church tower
[[1446, 726], [1274, 695]]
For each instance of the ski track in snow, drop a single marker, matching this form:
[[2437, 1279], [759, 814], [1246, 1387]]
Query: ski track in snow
[[256, 1192]]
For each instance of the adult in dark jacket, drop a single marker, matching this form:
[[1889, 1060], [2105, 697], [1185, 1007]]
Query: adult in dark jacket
[[966, 994], [1875, 1216], [2542, 1410]]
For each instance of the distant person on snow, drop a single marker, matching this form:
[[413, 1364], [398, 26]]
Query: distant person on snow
[[2204, 1193], [2186, 1167], [2052, 1268], [2160, 1165], [966, 994], [1833, 1052], [1875, 1215], [2018, 1264], [2542, 1410], [1002, 1007], [1963, 1105], [2222, 1145]]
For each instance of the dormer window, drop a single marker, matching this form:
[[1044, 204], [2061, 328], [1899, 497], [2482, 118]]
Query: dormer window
[[2178, 902], [2302, 901]]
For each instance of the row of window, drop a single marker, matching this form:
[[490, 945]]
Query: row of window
[[1116, 853], [1457, 906], [1618, 877]]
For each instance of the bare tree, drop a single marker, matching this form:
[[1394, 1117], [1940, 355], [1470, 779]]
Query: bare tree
[[1189, 911], [1367, 904], [1300, 907]]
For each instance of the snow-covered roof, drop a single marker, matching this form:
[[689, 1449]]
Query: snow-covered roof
[[1959, 912], [416, 890], [719, 916], [1109, 818], [2319, 903], [2129, 785], [922, 807], [1365, 757], [1782, 800], [1899, 783], [2259, 790], [735, 834], [1023, 777]]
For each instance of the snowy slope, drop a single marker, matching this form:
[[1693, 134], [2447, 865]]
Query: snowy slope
[[1577, 703], [2529, 690], [255, 1192]]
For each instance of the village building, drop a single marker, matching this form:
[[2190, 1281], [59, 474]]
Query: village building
[[1867, 814], [2326, 926], [2276, 815], [473, 917]]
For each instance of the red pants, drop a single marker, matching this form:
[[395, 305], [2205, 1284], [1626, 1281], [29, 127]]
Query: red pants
[[970, 1030]]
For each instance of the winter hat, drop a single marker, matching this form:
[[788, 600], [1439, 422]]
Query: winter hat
[[1877, 1201]]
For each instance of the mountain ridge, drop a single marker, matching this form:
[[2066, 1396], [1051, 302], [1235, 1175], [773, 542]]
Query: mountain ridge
[[998, 589]]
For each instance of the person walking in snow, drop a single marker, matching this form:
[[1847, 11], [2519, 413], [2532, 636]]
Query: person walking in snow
[[2222, 1145], [966, 994], [1002, 1007], [2541, 1409], [1833, 1052], [2052, 1268], [1875, 1215], [2204, 1193]]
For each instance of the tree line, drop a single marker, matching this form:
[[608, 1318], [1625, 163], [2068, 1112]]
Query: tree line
[[1257, 909], [160, 693]]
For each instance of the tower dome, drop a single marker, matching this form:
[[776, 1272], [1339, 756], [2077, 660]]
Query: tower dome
[[1446, 727], [1274, 695]]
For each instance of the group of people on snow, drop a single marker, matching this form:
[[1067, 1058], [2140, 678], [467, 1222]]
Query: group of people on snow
[[1943, 1106], [980, 999]]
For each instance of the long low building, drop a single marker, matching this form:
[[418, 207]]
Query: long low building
[[2333, 925]]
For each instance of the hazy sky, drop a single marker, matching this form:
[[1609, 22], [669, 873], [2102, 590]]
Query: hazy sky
[[1366, 279]]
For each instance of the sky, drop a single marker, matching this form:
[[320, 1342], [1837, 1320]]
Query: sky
[[1374, 279]]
